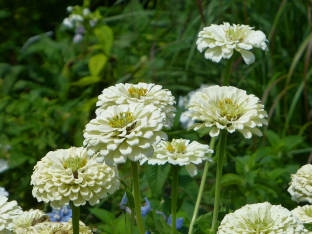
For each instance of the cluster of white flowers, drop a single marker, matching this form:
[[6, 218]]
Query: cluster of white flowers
[[180, 152], [9, 211], [227, 108], [300, 187], [262, 218], [70, 175], [220, 41]]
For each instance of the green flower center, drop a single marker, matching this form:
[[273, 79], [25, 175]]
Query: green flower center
[[308, 211], [236, 35], [229, 109], [137, 92], [121, 120], [178, 148], [75, 163]]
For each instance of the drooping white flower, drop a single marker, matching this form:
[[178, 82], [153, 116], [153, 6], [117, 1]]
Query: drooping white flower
[[3, 165], [8, 212], [86, 11], [184, 101], [29, 218], [124, 131], [180, 152], [139, 93], [227, 108], [220, 41], [261, 218], [300, 187], [303, 213], [70, 175], [3, 192]]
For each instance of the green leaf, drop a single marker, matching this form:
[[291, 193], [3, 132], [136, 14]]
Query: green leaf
[[106, 37], [130, 197], [156, 178], [97, 63], [203, 223], [157, 226], [273, 138], [308, 226], [103, 215], [231, 179], [17, 159], [87, 81]]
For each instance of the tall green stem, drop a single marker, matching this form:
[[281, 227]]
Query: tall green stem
[[136, 193], [228, 68], [201, 188], [174, 197], [221, 150], [75, 219]]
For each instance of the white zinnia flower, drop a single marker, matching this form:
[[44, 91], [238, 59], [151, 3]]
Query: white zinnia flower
[[8, 212], [180, 152], [3, 165], [261, 218], [227, 108], [51, 228], [3, 192], [70, 175], [139, 93], [29, 218], [220, 41], [304, 213], [300, 187], [124, 131]]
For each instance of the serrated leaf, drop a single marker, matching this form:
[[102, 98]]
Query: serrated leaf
[[97, 63], [156, 177]]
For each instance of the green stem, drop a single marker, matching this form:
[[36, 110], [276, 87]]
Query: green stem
[[75, 219], [228, 68], [174, 197], [136, 193], [221, 150], [132, 222], [201, 188]]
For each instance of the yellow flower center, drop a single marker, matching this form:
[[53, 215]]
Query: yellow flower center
[[236, 33], [121, 120], [75, 163], [137, 92], [228, 109], [178, 148]]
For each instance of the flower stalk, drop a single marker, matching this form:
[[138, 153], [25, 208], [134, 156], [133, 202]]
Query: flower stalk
[[201, 188], [75, 219], [221, 150], [174, 197], [228, 69], [136, 194]]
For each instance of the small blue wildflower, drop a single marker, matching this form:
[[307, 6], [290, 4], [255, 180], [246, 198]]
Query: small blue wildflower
[[62, 215], [144, 209], [179, 222]]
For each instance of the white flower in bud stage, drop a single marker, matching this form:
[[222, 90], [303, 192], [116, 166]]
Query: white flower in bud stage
[[124, 131], [29, 218], [220, 41], [261, 218], [70, 175], [180, 152], [51, 228], [304, 213], [8, 212], [227, 108], [300, 187], [139, 93]]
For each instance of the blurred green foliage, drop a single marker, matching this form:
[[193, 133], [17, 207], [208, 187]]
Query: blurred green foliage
[[48, 92]]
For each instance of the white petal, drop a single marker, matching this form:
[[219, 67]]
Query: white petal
[[191, 169], [248, 57]]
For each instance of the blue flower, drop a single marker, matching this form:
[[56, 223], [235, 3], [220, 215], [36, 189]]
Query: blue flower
[[62, 215], [179, 222], [144, 209]]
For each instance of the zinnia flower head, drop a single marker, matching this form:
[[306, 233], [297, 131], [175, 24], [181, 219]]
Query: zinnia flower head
[[139, 93], [180, 152], [70, 175], [29, 218], [304, 213], [124, 131], [8, 212], [261, 218], [300, 185], [227, 108], [220, 41]]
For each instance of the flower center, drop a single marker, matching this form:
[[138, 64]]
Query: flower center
[[137, 92], [75, 163], [228, 109], [121, 120], [308, 212], [236, 33], [178, 148]]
